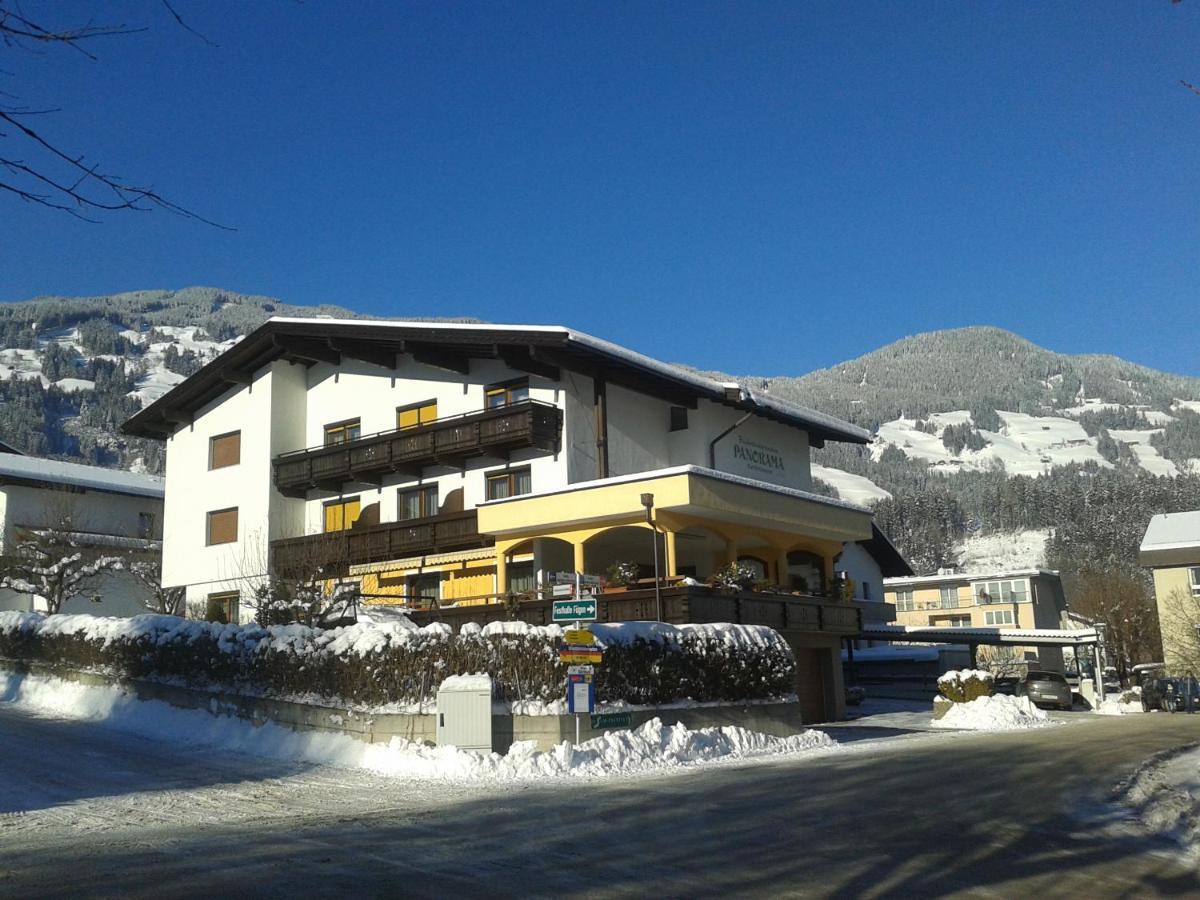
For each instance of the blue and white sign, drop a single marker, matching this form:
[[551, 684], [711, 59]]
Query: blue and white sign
[[581, 694]]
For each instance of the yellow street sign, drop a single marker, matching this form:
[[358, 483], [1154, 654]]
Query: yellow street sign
[[580, 637]]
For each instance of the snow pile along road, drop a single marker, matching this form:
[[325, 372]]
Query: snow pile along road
[[1164, 796], [653, 746], [996, 713]]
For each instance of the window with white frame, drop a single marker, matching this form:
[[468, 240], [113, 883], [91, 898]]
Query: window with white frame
[[950, 598], [998, 617], [1002, 591], [904, 601], [1194, 576]]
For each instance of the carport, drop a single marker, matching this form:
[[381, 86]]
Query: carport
[[973, 638]]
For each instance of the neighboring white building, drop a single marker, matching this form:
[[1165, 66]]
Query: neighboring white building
[[110, 510]]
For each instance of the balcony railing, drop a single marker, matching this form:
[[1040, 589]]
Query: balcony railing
[[333, 553], [449, 441]]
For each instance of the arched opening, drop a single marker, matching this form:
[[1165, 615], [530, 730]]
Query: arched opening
[[530, 564], [758, 566], [625, 544], [805, 572], [698, 552]]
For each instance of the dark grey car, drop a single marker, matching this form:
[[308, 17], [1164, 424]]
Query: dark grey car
[[1046, 689]]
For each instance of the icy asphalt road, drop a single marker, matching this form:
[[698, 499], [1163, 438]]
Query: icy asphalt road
[[85, 811]]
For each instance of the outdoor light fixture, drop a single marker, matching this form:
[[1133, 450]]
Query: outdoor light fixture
[[648, 502]]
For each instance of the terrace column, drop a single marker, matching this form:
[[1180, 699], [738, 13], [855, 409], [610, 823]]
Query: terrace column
[[577, 546], [670, 568]]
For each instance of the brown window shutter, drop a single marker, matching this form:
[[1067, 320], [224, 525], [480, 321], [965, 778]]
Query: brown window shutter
[[225, 450], [222, 526]]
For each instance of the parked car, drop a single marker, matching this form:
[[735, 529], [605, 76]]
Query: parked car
[[1006, 684], [855, 695], [1046, 689], [1180, 694]]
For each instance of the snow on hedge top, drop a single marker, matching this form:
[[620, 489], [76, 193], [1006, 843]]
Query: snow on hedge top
[[517, 627], [964, 675], [733, 636], [96, 478]]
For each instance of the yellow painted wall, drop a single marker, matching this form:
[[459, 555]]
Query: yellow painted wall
[[1175, 613]]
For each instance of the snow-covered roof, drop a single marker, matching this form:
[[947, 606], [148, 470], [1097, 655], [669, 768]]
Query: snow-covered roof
[[965, 577], [327, 338], [30, 469], [1172, 539]]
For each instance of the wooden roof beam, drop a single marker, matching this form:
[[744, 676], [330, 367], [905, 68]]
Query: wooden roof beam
[[439, 357], [368, 353]]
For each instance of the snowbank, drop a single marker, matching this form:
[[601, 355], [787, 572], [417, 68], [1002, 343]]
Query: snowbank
[[1122, 704], [1163, 795], [653, 746], [997, 713]]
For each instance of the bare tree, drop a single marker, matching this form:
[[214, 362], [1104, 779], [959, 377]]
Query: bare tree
[[1123, 603], [40, 169], [54, 564], [166, 601], [1180, 621]]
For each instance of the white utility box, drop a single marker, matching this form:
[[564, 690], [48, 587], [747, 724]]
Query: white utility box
[[464, 712]]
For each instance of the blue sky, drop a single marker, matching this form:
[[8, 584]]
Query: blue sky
[[757, 188]]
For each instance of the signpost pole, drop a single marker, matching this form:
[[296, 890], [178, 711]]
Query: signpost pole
[[576, 729]]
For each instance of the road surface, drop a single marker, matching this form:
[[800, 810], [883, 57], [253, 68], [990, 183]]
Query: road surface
[[86, 811]]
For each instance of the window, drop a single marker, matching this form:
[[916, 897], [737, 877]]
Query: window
[[222, 607], [949, 598], [145, 524], [521, 578], [343, 432], [958, 622], [341, 514], [506, 394], [866, 590], [417, 414], [998, 617], [904, 601], [1002, 592], [418, 503], [222, 526], [509, 484], [424, 590], [225, 450], [1194, 577], [679, 418]]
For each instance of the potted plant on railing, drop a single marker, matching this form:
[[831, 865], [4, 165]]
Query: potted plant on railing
[[842, 587], [732, 578], [621, 576]]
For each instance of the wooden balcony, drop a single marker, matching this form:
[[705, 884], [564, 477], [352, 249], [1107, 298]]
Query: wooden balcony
[[333, 553], [529, 424]]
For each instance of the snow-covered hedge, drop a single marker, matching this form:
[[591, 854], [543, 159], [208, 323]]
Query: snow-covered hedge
[[373, 665], [965, 685]]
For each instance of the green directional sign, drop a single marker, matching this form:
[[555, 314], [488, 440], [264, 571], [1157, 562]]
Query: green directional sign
[[611, 720], [581, 610]]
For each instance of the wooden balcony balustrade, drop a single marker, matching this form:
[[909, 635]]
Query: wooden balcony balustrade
[[528, 424], [331, 554]]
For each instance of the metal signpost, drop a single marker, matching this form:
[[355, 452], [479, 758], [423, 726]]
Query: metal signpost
[[580, 650]]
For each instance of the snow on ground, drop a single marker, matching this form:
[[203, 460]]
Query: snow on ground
[[652, 746], [855, 488], [154, 384], [1025, 445], [72, 385], [1163, 796], [1147, 456], [999, 712], [1193, 405], [1008, 551], [1124, 704]]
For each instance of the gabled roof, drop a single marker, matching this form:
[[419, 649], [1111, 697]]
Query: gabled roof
[[891, 562], [29, 470], [1171, 539], [538, 349]]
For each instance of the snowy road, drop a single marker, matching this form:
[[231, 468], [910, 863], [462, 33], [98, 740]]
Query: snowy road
[[87, 811]]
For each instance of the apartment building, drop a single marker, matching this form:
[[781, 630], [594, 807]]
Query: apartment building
[[1024, 599], [1171, 550], [467, 464]]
